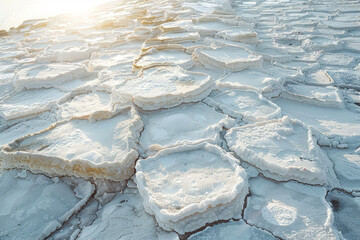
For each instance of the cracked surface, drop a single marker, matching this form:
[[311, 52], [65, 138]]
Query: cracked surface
[[212, 94]]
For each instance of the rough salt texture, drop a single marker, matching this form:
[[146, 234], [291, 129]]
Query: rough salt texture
[[124, 217], [184, 124], [33, 206], [188, 186], [165, 87], [290, 210], [190, 71], [232, 231], [245, 104], [229, 58], [282, 149], [79, 147]]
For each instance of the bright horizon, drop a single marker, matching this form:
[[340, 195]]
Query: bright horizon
[[14, 12]]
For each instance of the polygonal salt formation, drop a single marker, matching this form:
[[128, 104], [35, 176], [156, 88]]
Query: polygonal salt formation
[[322, 96], [290, 210], [243, 103], [323, 43], [229, 57], [85, 103], [104, 60], [282, 149], [320, 78], [67, 51], [347, 167], [341, 127], [239, 34], [252, 78], [345, 78], [17, 130], [34, 206], [125, 218], [168, 38], [104, 148], [189, 123], [166, 57], [48, 75], [164, 87], [29, 102], [188, 186], [232, 231]]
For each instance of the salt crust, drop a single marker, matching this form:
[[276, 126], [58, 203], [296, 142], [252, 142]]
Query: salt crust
[[109, 153], [167, 57], [290, 210], [48, 75], [164, 87], [125, 218], [33, 206], [232, 231], [243, 103], [187, 186], [282, 149], [229, 57], [321, 96], [190, 123]]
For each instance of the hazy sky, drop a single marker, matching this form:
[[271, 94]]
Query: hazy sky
[[14, 12]]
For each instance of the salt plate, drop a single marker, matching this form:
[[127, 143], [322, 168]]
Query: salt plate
[[346, 210], [321, 96], [29, 102], [347, 167], [323, 43], [48, 75], [320, 78], [232, 231], [84, 103], [164, 87], [104, 148], [125, 218], [105, 60], [68, 51], [189, 123], [229, 58], [181, 37], [337, 59], [282, 149], [345, 78], [188, 186], [167, 57], [254, 78], [342, 24], [239, 34], [245, 104], [290, 210], [33, 206], [22, 128], [339, 125]]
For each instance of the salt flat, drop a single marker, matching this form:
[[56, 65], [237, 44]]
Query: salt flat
[[217, 119]]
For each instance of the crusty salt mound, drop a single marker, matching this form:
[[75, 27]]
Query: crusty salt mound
[[227, 57], [102, 145], [165, 87], [244, 104], [188, 186], [189, 123], [282, 149]]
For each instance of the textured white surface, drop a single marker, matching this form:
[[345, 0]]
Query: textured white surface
[[282, 149], [290, 210], [188, 186]]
